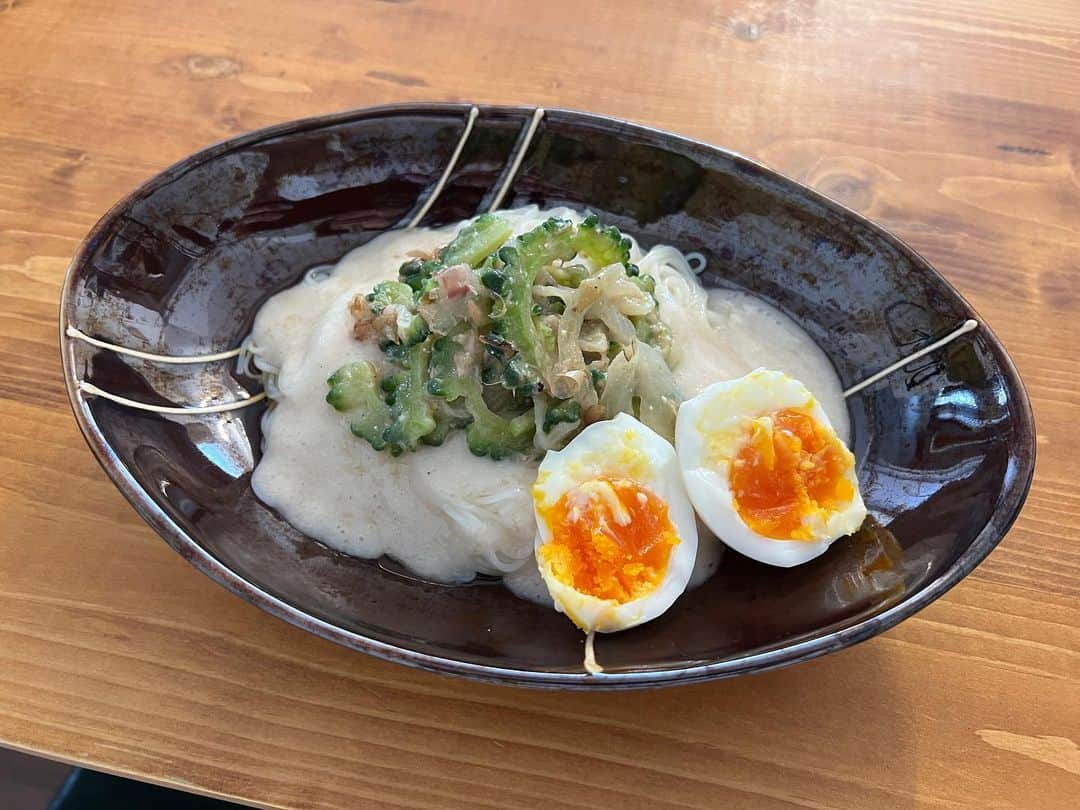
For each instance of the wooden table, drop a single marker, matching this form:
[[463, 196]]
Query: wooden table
[[955, 124]]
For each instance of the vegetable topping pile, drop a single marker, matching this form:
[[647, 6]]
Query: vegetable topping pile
[[519, 342]]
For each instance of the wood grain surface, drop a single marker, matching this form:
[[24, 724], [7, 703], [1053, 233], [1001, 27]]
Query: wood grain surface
[[957, 125]]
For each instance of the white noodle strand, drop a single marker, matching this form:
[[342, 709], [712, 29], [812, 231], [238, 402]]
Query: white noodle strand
[[591, 666], [519, 156], [445, 177], [93, 390], [696, 261], [71, 331], [246, 358], [967, 326]]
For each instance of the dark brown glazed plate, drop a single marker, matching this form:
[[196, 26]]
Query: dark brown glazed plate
[[945, 446]]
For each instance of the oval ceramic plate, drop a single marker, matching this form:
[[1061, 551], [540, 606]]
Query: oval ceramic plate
[[945, 446]]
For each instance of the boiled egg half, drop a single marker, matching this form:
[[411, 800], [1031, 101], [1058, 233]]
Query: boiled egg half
[[616, 536], [765, 469]]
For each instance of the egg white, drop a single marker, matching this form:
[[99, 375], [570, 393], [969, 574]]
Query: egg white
[[617, 448], [709, 432]]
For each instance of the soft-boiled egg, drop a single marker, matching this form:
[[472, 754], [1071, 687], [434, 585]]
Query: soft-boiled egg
[[765, 469], [617, 538]]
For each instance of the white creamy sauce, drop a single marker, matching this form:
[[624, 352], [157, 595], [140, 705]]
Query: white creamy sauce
[[441, 511]]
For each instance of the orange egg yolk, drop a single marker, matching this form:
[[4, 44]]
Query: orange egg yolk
[[788, 471], [611, 538]]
